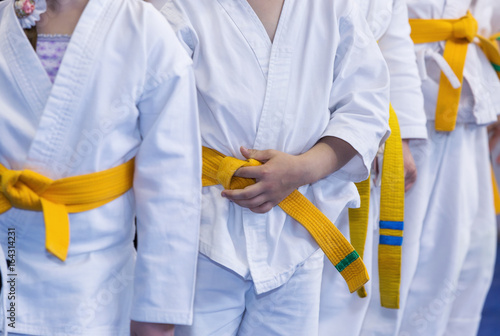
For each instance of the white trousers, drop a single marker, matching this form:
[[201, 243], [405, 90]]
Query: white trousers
[[226, 304], [342, 313], [456, 258]]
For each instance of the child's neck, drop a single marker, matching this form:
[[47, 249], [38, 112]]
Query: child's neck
[[269, 12], [61, 17]]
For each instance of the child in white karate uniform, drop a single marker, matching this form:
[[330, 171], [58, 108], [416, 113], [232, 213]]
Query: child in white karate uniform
[[300, 86], [121, 91]]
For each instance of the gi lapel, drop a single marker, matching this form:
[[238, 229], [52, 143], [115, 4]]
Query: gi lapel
[[278, 79], [27, 70], [252, 30], [73, 76]]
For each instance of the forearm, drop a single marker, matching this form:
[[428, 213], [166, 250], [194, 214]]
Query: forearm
[[326, 157], [150, 329]]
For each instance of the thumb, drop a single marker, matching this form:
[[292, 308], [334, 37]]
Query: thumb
[[255, 154]]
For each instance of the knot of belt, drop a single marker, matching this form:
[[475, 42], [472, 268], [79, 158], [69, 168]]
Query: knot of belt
[[458, 34], [465, 28], [28, 190], [23, 189], [220, 169]]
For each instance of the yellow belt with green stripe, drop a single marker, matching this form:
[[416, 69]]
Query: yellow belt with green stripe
[[31, 191], [391, 218], [492, 52], [458, 34], [219, 169]]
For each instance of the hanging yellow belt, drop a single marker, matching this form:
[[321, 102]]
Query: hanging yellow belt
[[458, 34], [219, 169], [496, 193], [31, 191], [492, 51], [392, 197]]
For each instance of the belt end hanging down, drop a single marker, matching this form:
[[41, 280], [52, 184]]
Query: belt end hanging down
[[353, 271], [57, 234], [362, 292]]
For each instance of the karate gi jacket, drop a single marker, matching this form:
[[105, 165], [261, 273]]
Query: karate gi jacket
[[322, 76], [388, 21], [123, 90]]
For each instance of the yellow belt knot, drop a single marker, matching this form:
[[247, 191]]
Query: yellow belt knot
[[228, 166], [23, 189], [465, 28], [28, 190], [458, 34], [220, 169]]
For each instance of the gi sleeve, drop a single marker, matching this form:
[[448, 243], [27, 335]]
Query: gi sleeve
[[167, 187], [173, 12], [406, 94], [359, 98]]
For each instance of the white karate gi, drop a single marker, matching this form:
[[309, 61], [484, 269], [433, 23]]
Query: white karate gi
[[495, 20], [388, 20], [455, 259], [322, 76], [123, 91]]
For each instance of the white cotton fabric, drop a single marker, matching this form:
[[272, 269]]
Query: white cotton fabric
[[381, 321], [456, 256], [480, 99], [342, 313], [226, 304], [123, 90], [322, 76], [450, 208], [388, 20]]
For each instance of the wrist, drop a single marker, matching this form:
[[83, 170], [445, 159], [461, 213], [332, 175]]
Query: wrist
[[305, 171], [317, 163]]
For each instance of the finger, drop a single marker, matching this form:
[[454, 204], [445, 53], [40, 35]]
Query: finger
[[264, 208], [243, 194], [259, 155], [409, 184], [410, 180], [254, 172], [494, 140], [252, 203]]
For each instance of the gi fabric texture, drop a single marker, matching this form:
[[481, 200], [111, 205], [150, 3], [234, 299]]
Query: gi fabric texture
[[388, 21], [447, 293], [287, 310], [454, 257], [113, 99], [322, 76]]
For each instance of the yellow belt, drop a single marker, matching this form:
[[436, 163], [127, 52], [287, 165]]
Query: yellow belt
[[28, 190], [458, 34], [219, 169], [392, 198], [492, 51], [492, 54], [496, 193]]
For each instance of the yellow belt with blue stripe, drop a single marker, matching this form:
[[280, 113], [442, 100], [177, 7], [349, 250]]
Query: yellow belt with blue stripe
[[391, 222], [220, 169]]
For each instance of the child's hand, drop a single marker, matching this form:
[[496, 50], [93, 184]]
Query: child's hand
[[278, 176], [150, 329], [494, 138], [410, 166]]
